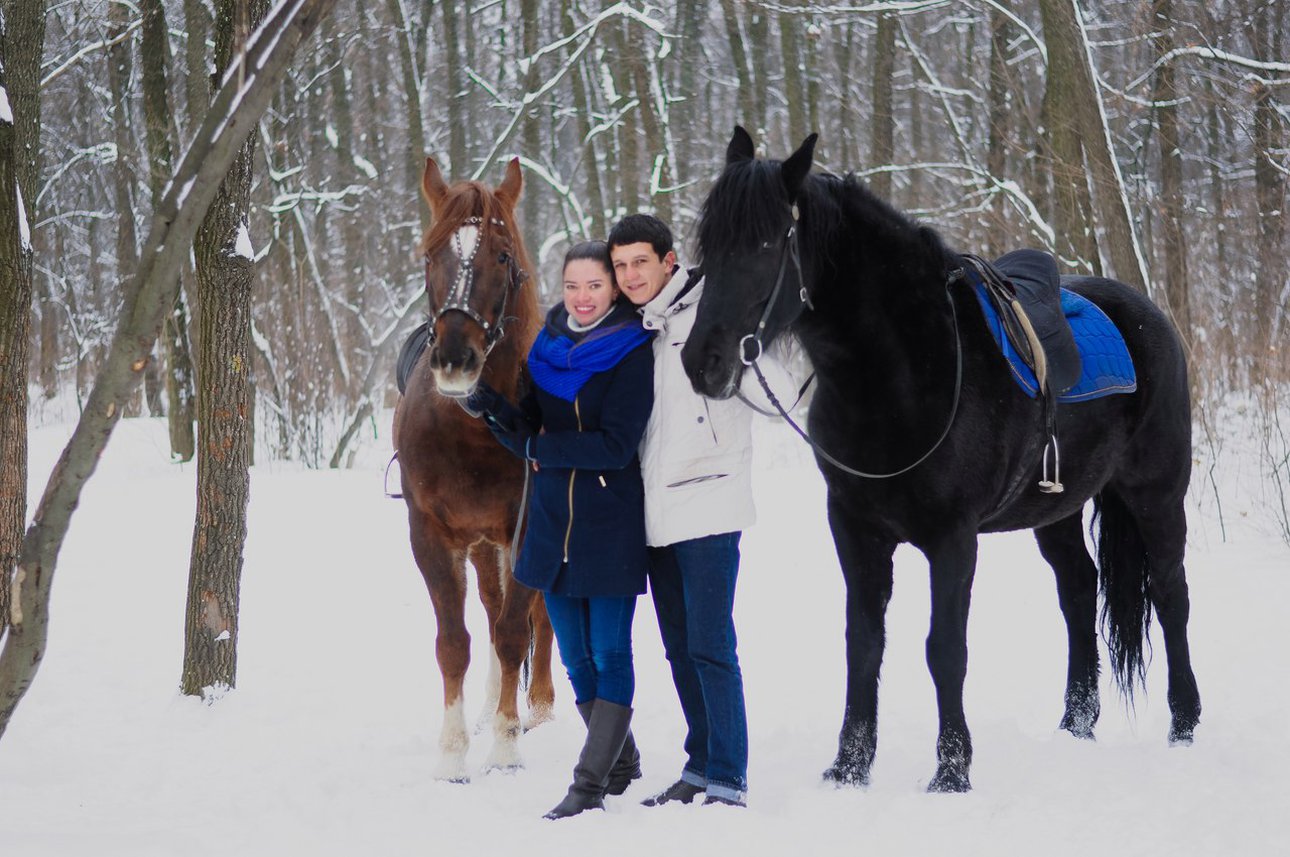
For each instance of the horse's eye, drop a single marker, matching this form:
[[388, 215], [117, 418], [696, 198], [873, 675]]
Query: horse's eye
[[503, 258]]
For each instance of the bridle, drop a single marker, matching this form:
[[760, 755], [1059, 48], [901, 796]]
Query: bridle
[[459, 294], [791, 252]]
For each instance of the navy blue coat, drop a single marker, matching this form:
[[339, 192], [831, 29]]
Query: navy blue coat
[[586, 519]]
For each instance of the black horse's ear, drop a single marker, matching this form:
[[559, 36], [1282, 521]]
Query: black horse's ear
[[741, 146], [798, 165]]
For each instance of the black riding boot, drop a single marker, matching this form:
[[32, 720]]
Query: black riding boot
[[606, 730], [628, 765]]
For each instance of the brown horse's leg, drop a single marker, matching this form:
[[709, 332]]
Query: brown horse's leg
[[541, 688], [488, 571], [511, 640], [444, 574]]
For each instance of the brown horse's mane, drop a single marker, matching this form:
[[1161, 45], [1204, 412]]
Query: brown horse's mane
[[467, 199]]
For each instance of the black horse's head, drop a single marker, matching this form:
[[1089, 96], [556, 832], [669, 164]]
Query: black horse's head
[[475, 264], [753, 277]]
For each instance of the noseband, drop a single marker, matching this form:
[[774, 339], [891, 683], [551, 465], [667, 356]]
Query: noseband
[[788, 251], [459, 294]]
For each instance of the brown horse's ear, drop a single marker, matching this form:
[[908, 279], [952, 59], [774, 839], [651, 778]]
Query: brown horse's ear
[[433, 187], [509, 190], [741, 146]]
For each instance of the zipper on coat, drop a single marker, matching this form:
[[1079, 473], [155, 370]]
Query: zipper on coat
[[572, 473]]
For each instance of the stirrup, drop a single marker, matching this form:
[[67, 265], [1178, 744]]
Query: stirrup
[[1053, 486]]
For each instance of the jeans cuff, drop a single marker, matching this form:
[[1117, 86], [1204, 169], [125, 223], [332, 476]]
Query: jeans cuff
[[727, 791], [696, 780]]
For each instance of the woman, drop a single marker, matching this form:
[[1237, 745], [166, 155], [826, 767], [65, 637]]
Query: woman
[[584, 547]]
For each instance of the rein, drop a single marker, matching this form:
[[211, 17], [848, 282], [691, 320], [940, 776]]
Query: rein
[[791, 250]]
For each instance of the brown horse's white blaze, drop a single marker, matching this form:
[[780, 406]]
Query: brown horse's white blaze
[[462, 489]]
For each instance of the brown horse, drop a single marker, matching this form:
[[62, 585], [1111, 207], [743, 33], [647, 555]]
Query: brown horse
[[462, 488]]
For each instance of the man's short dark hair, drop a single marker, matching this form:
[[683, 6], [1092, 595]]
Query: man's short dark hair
[[637, 228]]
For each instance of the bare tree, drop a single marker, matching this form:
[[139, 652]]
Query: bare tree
[[225, 268], [22, 36], [158, 121]]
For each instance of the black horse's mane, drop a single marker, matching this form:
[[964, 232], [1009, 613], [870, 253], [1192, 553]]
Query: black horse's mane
[[748, 205]]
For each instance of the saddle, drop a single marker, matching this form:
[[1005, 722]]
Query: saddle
[[410, 354], [1032, 318], [1024, 289]]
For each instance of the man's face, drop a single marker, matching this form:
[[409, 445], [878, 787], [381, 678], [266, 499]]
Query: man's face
[[641, 274]]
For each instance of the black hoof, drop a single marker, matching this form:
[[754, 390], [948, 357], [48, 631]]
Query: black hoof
[[1078, 727], [841, 775], [949, 780], [1182, 729]]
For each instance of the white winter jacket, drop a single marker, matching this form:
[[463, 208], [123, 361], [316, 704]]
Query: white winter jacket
[[696, 455]]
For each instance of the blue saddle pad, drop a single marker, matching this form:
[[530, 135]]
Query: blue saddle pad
[[1107, 365]]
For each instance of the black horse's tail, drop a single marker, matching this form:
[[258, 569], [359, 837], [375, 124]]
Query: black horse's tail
[[1124, 578]]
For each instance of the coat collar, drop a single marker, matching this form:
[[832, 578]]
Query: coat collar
[[674, 298]]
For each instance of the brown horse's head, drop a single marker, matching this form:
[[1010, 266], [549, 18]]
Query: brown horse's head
[[475, 265]]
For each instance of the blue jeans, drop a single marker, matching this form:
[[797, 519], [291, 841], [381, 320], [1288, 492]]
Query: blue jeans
[[693, 585], [594, 636]]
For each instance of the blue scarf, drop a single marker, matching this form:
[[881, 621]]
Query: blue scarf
[[562, 361]]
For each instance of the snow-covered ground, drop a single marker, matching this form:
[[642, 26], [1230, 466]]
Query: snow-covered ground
[[328, 743]]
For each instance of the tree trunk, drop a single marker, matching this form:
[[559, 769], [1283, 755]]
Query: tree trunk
[[628, 168], [1269, 193], [743, 71], [1068, 48], [224, 429], [155, 57], [1171, 203], [415, 155], [22, 37], [656, 158], [882, 147], [531, 130], [790, 39], [584, 96], [687, 109], [453, 64], [1072, 204], [196, 80], [997, 101]]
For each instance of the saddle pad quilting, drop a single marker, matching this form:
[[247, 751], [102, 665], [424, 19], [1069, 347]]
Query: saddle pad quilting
[[1106, 362]]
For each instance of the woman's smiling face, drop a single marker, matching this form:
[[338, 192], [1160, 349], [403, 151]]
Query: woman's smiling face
[[589, 290]]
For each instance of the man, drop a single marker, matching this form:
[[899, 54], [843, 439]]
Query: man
[[696, 461]]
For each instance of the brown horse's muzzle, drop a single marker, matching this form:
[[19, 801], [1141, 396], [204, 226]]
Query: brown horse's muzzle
[[457, 357]]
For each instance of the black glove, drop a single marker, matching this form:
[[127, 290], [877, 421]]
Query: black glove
[[482, 401], [518, 438]]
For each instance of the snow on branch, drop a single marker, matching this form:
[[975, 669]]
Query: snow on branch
[[582, 39], [100, 45], [1217, 56], [900, 8]]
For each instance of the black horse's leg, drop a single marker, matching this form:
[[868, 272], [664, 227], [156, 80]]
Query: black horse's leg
[[1062, 545], [953, 565], [866, 565], [1164, 534]]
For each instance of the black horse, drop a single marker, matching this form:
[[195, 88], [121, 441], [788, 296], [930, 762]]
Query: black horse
[[905, 365]]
